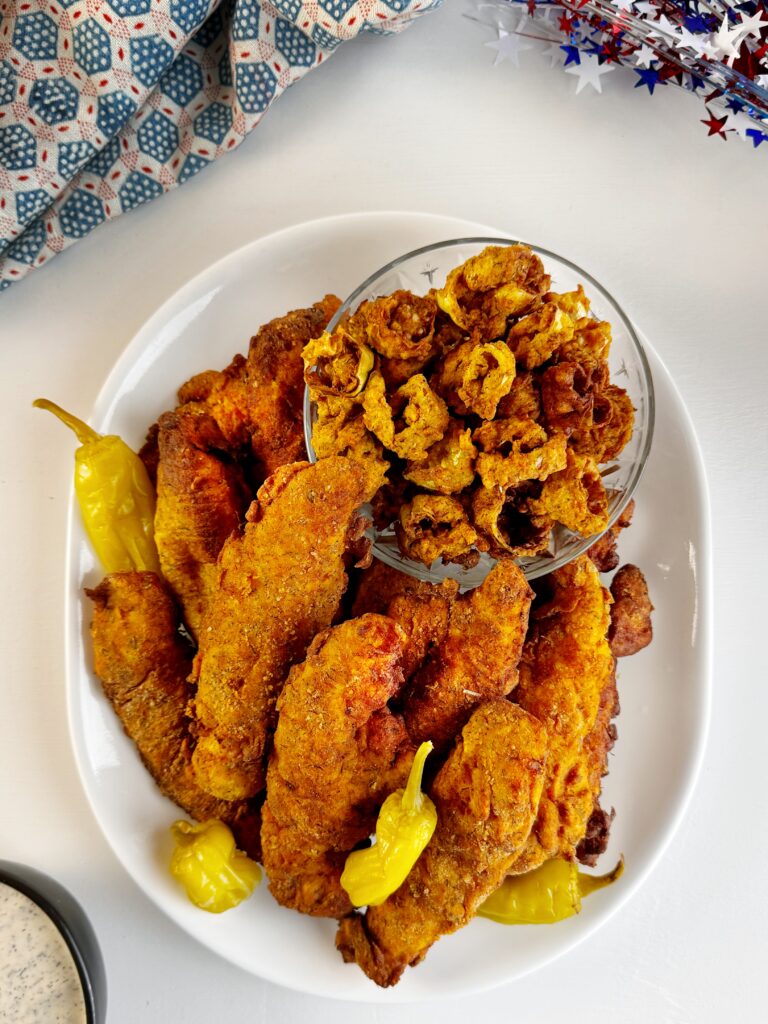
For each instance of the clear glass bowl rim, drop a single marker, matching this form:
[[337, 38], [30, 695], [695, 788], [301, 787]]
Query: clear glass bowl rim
[[484, 240]]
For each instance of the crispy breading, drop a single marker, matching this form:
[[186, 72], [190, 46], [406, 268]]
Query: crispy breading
[[450, 463], [575, 496], [258, 402], [278, 585], [604, 552], [201, 499], [486, 796], [421, 609], [338, 752], [536, 337], [434, 526], [514, 451], [473, 378], [143, 663], [631, 628], [400, 325], [505, 527], [476, 661], [597, 745], [565, 668]]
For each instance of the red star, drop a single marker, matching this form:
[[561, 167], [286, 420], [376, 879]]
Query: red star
[[715, 124], [531, 5], [566, 24]]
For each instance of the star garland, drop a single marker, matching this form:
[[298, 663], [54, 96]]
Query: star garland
[[713, 49]]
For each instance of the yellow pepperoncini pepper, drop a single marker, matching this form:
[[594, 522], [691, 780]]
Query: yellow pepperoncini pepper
[[116, 497], [405, 825], [550, 893], [214, 873]]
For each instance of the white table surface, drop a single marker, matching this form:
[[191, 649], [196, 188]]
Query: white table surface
[[626, 185]]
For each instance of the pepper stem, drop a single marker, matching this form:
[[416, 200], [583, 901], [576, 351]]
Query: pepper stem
[[83, 431], [591, 883], [412, 795]]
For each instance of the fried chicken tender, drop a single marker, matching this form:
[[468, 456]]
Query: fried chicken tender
[[631, 629], [421, 609], [201, 500], [476, 661], [258, 402], [486, 796], [564, 670], [338, 752], [143, 664], [278, 585]]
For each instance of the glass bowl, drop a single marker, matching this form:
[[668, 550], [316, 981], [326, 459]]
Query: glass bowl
[[428, 267]]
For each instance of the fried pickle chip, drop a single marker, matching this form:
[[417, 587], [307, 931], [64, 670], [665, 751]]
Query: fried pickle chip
[[575, 304], [506, 527], [517, 450], [613, 419], [434, 526], [475, 377], [566, 397], [400, 325], [412, 422], [337, 364], [536, 337], [575, 497], [499, 282], [450, 463], [590, 343]]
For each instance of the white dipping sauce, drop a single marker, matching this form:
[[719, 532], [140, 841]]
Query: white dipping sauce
[[38, 977]]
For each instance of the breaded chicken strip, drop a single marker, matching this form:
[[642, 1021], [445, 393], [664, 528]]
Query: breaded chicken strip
[[279, 584], [201, 499], [486, 796], [477, 659], [143, 664], [422, 609], [565, 669], [258, 401], [338, 752]]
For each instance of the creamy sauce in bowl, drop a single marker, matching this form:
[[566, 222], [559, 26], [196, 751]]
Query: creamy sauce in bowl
[[39, 980]]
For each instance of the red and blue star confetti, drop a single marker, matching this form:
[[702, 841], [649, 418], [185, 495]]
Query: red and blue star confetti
[[718, 51]]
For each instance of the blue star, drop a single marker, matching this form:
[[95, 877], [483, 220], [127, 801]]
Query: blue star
[[696, 83], [757, 136], [572, 55], [647, 76], [734, 105]]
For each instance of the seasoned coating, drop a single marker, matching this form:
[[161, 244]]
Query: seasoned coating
[[338, 752], [486, 796], [143, 664], [476, 661], [421, 609], [410, 421], [473, 378], [337, 365], [564, 671], [575, 496], [536, 337], [434, 526], [505, 527], [278, 585], [604, 552], [450, 463], [597, 745], [258, 402], [201, 500], [400, 325], [514, 451], [631, 628]]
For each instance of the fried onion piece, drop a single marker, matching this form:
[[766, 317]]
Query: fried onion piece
[[332, 713], [631, 628], [486, 796], [508, 529], [517, 450], [536, 337], [411, 422], [450, 463], [566, 398], [603, 552], [575, 497], [340, 430], [523, 400], [434, 526], [400, 325], [499, 282], [564, 671], [337, 364], [590, 343], [575, 304], [613, 419], [475, 377]]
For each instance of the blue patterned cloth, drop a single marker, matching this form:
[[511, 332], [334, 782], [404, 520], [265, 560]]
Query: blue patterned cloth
[[106, 104]]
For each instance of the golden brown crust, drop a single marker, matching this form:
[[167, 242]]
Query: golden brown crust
[[333, 713], [631, 628], [604, 552], [278, 585], [486, 795], [476, 661]]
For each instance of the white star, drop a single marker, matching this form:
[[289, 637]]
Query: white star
[[554, 53], [752, 26], [588, 72], [645, 7], [725, 41], [508, 46], [762, 81], [624, 5], [741, 123], [665, 27], [644, 56]]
